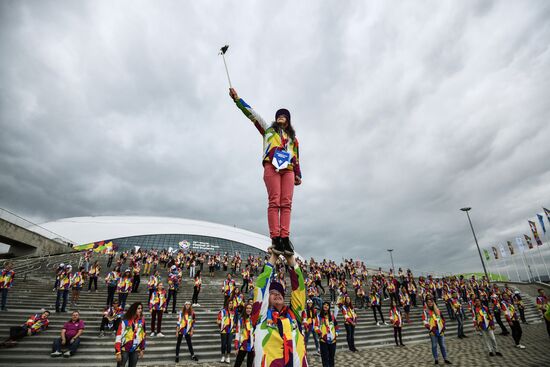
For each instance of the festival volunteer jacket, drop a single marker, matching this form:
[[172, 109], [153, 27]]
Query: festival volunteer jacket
[[37, 323], [273, 139], [198, 283], [326, 328], [482, 318], [541, 301], [228, 287], [112, 313], [6, 278], [124, 285], [112, 279], [64, 281], [278, 339], [76, 280], [158, 300], [433, 321], [350, 317], [308, 319], [509, 310], [244, 335], [153, 282], [226, 320], [130, 336], [375, 299], [174, 281], [94, 271], [186, 323], [395, 317]]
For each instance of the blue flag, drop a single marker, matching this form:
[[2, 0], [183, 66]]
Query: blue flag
[[541, 220]]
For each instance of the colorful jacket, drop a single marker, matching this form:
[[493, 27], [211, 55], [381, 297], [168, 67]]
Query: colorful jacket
[[326, 328], [279, 342], [158, 300], [433, 321], [244, 335], [6, 278], [226, 321], [482, 318], [112, 313], [308, 319], [350, 317], [510, 311], [76, 280], [153, 282], [94, 271], [174, 281], [228, 287], [124, 285], [112, 279], [37, 323], [186, 323], [64, 281], [130, 336], [273, 138], [395, 317]]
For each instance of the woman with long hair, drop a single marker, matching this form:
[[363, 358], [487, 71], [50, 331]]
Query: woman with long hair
[[308, 320], [397, 322], [350, 321], [184, 329], [226, 323], [76, 285], [130, 337], [244, 338], [196, 289], [435, 323], [326, 327], [281, 170]]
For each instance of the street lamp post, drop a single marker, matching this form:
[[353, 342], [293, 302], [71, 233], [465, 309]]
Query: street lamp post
[[477, 244], [390, 250]]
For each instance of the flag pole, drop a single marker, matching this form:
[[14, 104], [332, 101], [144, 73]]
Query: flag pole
[[223, 50], [544, 262], [536, 267], [525, 266], [516, 266]]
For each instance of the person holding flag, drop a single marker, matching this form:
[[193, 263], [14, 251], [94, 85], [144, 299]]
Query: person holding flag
[[281, 170]]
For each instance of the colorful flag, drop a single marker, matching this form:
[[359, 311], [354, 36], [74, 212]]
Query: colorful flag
[[511, 248], [486, 253], [535, 232], [541, 221], [495, 252], [529, 243], [502, 250], [520, 244], [547, 212]]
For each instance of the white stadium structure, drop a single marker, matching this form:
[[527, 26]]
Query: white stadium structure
[[159, 232]]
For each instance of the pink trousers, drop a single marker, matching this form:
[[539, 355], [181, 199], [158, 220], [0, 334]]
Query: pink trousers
[[280, 188]]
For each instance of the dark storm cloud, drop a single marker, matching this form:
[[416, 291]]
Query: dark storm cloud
[[405, 114]]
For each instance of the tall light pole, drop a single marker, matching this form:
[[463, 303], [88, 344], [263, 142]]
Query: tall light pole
[[477, 244], [390, 250]]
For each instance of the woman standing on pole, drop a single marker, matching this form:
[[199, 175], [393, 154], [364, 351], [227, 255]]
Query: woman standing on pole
[[281, 171]]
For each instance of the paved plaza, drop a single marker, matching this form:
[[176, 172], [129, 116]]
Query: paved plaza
[[466, 352]]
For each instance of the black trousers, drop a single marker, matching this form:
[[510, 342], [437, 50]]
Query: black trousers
[[135, 283], [249, 358], [547, 326], [499, 322], [130, 358], [111, 295], [516, 331], [374, 309], [172, 293], [189, 344], [397, 331], [226, 339], [350, 336], [105, 322], [92, 280], [195, 298], [18, 332], [327, 353]]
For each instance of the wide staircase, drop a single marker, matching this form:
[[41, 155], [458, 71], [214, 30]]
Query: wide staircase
[[32, 291]]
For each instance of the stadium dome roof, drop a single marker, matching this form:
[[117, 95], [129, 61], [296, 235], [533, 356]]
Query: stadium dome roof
[[84, 230]]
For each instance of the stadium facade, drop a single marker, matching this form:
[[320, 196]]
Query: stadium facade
[[161, 233]]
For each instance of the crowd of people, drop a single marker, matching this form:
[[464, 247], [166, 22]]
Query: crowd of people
[[254, 319]]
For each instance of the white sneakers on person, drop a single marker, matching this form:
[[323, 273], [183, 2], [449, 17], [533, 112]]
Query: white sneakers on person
[[227, 360], [222, 360], [153, 334], [56, 354], [385, 323], [67, 354], [520, 346], [160, 335], [377, 323]]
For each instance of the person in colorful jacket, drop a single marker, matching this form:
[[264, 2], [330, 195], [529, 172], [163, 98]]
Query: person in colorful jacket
[[435, 323], [226, 323], [511, 314], [63, 289], [174, 280], [227, 288], [153, 282], [157, 306], [326, 327], [456, 308], [111, 318], [496, 303], [484, 324], [281, 170], [376, 305], [350, 321], [277, 327], [111, 280], [397, 322], [124, 287], [184, 329], [6, 282], [76, 286], [94, 273], [197, 284], [308, 319], [244, 338], [130, 337], [35, 324], [543, 307]]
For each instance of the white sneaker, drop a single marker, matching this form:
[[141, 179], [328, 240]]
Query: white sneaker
[[56, 354], [520, 346], [385, 323], [153, 334], [160, 335], [198, 304], [377, 323], [227, 360], [222, 360]]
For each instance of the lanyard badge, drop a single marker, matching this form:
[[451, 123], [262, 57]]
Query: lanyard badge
[[281, 159]]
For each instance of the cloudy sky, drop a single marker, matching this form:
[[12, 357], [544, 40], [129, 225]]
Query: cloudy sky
[[405, 113]]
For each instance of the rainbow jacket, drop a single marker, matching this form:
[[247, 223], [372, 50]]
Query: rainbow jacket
[[226, 320], [76, 280], [350, 317], [186, 323], [327, 328], [64, 281], [112, 279], [244, 335], [37, 323], [130, 336], [153, 282], [228, 287], [278, 339], [6, 278], [433, 321], [395, 317], [273, 138], [509, 311], [308, 318], [124, 285], [482, 318], [174, 280], [158, 300]]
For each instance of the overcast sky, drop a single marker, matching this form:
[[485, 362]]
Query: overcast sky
[[405, 113]]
